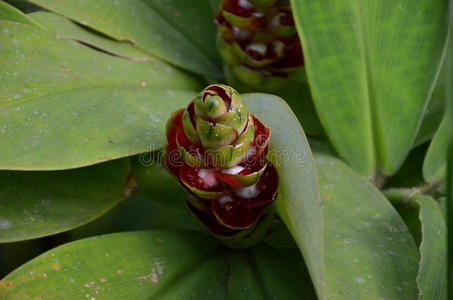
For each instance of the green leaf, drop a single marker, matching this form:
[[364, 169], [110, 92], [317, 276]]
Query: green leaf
[[64, 28], [298, 200], [435, 164], [215, 4], [179, 32], [262, 272], [371, 67], [435, 111], [10, 13], [64, 105], [159, 264], [35, 204], [364, 238], [432, 273]]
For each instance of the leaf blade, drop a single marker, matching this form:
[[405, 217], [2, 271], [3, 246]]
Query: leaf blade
[[139, 23], [432, 273], [364, 238], [68, 110], [298, 202], [157, 264], [36, 204], [435, 163], [356, 56]]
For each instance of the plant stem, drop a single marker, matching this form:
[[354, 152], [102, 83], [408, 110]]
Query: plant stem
[[403, 196]]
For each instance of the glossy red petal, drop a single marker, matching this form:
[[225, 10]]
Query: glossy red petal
[[233, 213]]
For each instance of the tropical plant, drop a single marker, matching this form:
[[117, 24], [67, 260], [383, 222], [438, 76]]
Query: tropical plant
[[358, 150]]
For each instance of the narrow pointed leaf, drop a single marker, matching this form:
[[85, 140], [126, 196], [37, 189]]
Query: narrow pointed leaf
[[435, 164], [432, 273], [35, 204], [435, 110], [179, 32], [298, 197], [64, 105], [371, 66]]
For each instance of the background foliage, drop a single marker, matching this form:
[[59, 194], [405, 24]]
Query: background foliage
[[87, 86]]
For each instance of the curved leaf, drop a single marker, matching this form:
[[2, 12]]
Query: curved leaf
[[65, 29], [434, 111], [433, 250], [369, 252], [158, 264], [35, 204], [298, 197], [10, 13], [263, 272], [179, 32], [435, 164], [63, 105], [371, 66]]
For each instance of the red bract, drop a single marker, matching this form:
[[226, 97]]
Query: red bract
[[233, 190]]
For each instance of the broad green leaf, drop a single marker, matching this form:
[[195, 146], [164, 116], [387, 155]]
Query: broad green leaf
[[298, 198], [35, 204], [65, 29], [432, 273], [64, 105], [10, 13], [435, 164], [179, 32], [371, 67], [368, 251], [158, 264]]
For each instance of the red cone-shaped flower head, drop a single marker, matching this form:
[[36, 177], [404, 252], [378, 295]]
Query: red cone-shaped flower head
[[217, 150]]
